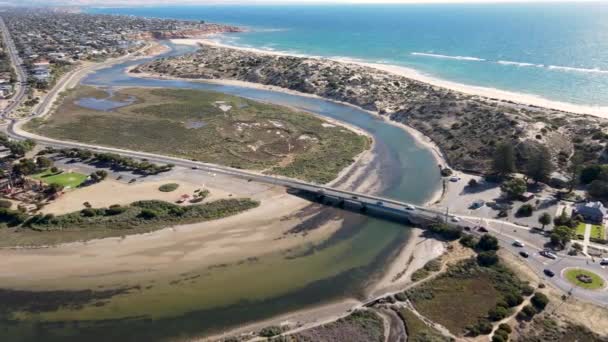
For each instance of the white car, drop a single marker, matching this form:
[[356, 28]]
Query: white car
[[518, 243], [548, 254], [455, 219], [409, 207]]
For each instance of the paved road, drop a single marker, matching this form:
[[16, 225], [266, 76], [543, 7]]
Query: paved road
[[20, 86], [495, 227]]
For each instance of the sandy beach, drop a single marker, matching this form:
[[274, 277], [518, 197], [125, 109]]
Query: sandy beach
[[492, 93]]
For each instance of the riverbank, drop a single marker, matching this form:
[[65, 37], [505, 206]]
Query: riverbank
[[526, 99]]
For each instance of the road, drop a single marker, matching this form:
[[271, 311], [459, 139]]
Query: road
[[495, 227], [21, 84]]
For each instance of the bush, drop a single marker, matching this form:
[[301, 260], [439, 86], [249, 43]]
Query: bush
[[88, 212], [11, 217], [148, 214], [498, 313], [487, 258], [472, 182], [445, 231], [540, 301], [468, 241], [505, 327], [525, 210], [527, 290], [513, 299], [270, 331], [526, 313], [401, 296], [6, 204], [498, 338], [446, 172], [115, 209], [168, 187]]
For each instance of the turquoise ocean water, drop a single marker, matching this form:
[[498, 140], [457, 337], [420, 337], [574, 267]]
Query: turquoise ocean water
[[556, 51]]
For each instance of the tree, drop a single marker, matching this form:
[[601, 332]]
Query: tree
[[525, 210], [503, 162], [488, 243], [590, 173], [574, 171], [544, 220], [539, 165], [498, 313], [514, 188], [43, 162], [25, 167], [561, 235]]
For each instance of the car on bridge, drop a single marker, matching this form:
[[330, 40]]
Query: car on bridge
[[524, 254], [379, 203], [409, 207]]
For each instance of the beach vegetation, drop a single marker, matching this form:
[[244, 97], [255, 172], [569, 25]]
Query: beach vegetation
[[169, 187]]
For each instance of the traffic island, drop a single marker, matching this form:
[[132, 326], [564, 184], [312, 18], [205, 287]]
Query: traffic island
[[584, 278]]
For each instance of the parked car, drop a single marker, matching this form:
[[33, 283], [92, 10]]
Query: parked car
[[604, 261], [454, 179], [524, 254], [455, 219], [548, 254], [548, 272], [477, 204], [518, 243]]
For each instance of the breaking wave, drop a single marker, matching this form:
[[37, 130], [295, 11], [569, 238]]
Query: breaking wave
[[461, 58], [587, 70]]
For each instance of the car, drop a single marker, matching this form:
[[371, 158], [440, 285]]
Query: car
[[524, 254], [548, 272], [548, 254], [409, 207], [604, 261], [477, 204], [195, 168], [454, 179], [455, 219], [482, 229], [518, 243], [355, 197], [379, 203]]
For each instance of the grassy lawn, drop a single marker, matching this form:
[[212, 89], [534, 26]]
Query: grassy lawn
[[66, 179], [209, 127], [596, 283], [597, 231]]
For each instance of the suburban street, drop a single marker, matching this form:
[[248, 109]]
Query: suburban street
[[20, 85]]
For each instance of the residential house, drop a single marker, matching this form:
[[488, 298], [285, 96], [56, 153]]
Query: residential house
[[591, 211]]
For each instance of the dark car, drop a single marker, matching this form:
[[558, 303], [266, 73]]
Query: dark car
[[524, 254], [548, 272], [482, 229]]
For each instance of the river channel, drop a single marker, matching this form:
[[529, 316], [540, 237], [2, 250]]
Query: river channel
[[340, 268]]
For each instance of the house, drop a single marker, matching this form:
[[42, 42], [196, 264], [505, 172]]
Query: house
[[591, 211]]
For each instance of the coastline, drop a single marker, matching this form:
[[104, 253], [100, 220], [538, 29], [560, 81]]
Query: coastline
[[491, 93], [326, 312]]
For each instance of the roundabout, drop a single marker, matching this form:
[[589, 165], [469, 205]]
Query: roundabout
[[584, 278]]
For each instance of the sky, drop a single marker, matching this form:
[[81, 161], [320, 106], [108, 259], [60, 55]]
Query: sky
[[248, 2]]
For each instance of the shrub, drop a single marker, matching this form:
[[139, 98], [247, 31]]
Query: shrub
[[468, 241], [270, 331], [472, 182], [525, 210], [527, 290], [446, 172], [487, 258], [540, 301], [115, 209], [498, 338], [526, 313], [401, 296], [505, 327], [12, 217], [148, 214], [513, 299], [88, 212], [498, 313], [445, 231], [168, 187]]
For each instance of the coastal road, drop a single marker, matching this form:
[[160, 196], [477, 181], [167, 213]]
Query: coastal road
[[496, 227], [21, 84]]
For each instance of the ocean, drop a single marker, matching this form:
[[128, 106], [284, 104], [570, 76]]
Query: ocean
[[556, 51]]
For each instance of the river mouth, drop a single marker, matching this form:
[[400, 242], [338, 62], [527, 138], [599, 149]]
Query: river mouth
[[208, 300]]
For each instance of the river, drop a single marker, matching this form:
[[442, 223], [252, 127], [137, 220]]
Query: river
[[340, 268]]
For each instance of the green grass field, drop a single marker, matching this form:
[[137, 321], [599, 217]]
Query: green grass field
[[596, 283], [597, 231], [68, 180], [209, 127]]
